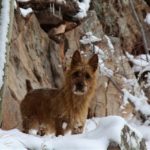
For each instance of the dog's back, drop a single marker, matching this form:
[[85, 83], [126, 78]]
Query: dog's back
[[36, 107]]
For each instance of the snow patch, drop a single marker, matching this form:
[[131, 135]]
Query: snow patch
[[103, 69], [89, 38], [110, 45], [139, 62], [15, 4], [139, 102], [96, 136], [84, 6], [4, 22]]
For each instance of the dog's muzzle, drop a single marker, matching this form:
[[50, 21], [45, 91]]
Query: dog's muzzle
[[79, 88]]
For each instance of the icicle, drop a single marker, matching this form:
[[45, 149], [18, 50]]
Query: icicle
[[53, 8]]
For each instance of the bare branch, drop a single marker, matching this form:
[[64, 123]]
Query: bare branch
[[147, 49]]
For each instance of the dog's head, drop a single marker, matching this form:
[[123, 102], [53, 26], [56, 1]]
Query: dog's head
[[83, 73]]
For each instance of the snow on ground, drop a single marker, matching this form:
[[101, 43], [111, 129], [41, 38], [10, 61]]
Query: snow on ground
[[97, 134], [147, 18], [25, 12], [4, 21], [84, 6]]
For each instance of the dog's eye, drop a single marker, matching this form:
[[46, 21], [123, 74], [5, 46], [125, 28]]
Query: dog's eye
[[76, 74], [87, 76]]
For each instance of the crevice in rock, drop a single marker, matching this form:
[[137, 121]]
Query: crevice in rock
[[138, 48], [37, 75]]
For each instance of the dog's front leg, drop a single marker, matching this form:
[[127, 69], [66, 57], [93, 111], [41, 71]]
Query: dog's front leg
[[77, 127], [61, 126]]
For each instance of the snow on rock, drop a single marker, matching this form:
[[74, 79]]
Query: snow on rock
[[84, 6], [143, 129], [4, 22], [110, 45], [105, 126], [16, 140], [15, 4], [89, 38], [139, 62], [139, 102], [147, 84], [25, 12], [101, 58], [147, 18], [103, 69], [97, 135]]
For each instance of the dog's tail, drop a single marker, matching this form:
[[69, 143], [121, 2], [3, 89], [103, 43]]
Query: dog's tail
[[28, 85]]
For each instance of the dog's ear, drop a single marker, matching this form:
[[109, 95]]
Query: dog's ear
[[76, 59], [93, 62]]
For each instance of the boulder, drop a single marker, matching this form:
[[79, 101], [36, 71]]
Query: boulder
[[129, 141]]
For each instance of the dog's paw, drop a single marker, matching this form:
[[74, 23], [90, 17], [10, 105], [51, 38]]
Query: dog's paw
[[42, 130], [77, 130]]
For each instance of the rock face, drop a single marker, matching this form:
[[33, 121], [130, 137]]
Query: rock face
[[41, 58], [33, 56], [118, 20]]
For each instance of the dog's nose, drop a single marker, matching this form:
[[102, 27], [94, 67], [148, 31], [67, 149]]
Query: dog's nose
[[80, 86]]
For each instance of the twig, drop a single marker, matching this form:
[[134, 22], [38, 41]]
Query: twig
[[147, 49], [115, 85]]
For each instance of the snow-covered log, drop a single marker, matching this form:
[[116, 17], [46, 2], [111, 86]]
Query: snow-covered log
[[6, 19]]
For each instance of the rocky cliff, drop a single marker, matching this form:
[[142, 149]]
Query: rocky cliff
[[41, 50]]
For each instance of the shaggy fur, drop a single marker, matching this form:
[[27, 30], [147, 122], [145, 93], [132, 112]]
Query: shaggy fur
[[59, 110]]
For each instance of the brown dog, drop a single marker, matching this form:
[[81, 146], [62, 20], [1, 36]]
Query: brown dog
[[59, 110]]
